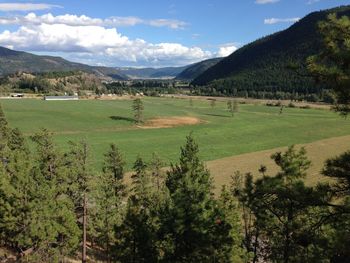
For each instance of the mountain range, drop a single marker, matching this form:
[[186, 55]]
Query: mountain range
[[12, 61], [193, 71]]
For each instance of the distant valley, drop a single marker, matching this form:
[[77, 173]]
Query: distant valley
[[12, 61]]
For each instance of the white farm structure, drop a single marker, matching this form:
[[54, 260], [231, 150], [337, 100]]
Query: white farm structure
[[61, 98]]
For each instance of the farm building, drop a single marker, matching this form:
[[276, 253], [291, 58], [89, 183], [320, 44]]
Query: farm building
[[17, 95], [61, 98]]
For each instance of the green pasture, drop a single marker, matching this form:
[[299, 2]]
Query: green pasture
[[253, 128]]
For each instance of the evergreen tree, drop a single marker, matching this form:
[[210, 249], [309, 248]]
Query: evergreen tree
[[3, 129], [191, 217], [338, 168], [332, 65], [287, 212], [138, 234], [16, 198], [77, 162], [138, 108], [232, 106], [228, 246], [158, 175], [243, 190], [53, 224], [109, 197]]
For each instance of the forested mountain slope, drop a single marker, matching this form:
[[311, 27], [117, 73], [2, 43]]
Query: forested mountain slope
[[197, 69], [262, 66]]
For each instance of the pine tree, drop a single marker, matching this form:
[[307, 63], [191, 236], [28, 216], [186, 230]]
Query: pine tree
[[157, 173], [3, 129], [138, 108], [109, 197], [77, 160], [53, 219], [338, 168], [227, 235], [287, 212], [192, 208], [332, 66], [138, 234], [16, 197], [36, 215], [243, 190], [232, 106]]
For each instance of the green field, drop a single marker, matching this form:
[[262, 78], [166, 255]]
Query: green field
[[254, 128]]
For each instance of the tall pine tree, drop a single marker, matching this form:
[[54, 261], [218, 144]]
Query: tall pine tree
[[192, 222]]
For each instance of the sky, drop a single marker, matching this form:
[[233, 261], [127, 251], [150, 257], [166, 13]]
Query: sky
[[145, 33]]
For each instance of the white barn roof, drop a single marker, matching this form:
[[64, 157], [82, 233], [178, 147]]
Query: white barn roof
[[61, 98]]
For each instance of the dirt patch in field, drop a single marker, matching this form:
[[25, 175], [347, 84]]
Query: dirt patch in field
[[169, 122]]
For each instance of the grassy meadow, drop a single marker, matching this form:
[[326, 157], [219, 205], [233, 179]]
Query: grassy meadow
[[253, 128]]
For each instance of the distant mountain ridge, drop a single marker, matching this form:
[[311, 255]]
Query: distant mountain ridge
[[193, 71], [12, 61], [152, 73], [263, 64]]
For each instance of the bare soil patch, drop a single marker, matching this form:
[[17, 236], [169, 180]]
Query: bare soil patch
[[169, 122]]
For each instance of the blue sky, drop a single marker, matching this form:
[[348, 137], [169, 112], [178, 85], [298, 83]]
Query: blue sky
[[145, 32]]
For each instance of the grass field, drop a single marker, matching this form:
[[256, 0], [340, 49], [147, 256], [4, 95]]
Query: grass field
[[254, 128]]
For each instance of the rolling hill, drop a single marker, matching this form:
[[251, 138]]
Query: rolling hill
[[193, 71], [12, 61], [263, 64], [152, 73], [18, 61]]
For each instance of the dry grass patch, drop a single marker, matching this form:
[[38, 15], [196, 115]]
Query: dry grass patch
[[169, 122], [318, 152]]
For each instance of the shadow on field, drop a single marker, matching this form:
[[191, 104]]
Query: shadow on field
[[217, 115], [120, 118]]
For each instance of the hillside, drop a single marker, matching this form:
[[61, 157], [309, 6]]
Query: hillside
[[12, 61], [262, 66], [193, 71], [113, 73], [151, 73], [17, 61]]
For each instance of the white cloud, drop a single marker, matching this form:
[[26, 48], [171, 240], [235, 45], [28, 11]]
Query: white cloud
[[226, 50], [310, 2], [263, 2], [99, 44], [25, 7], [271, 21], [74, 20], [173, 24]]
